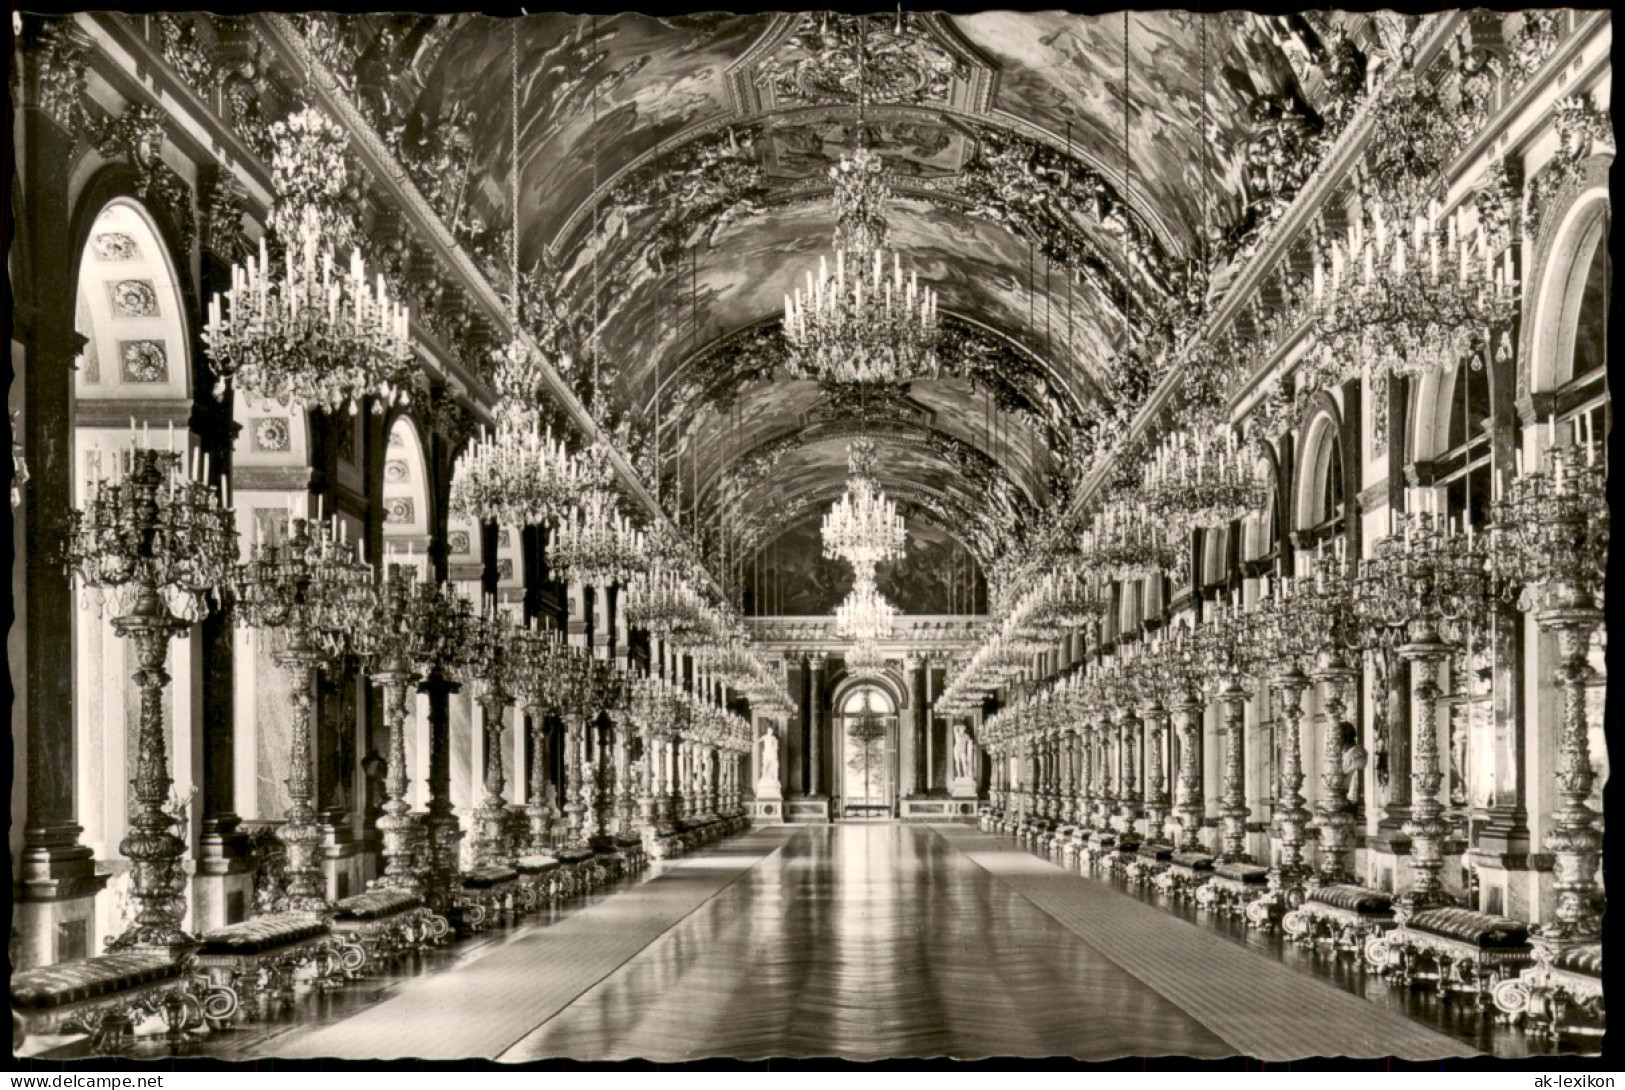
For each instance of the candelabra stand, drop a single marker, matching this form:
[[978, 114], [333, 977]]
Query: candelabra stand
[[415, 631], [647, 785], [537, 656], [308, 593], [491, 662], [1069, 750], [609, 695], [1285, 635], [1233, 810], [1551, 539], [709, 759], [1104, 796], [160, 542], [1175, 680], [1335, 820], [1223, 646], [1323, 609], [1189, 805], [1045, 807], [1420, 586], [1128, 793], [1291, 815], [1155, 719], [623, 783], [575, 730]]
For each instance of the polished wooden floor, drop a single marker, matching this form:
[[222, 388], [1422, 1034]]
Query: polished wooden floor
[[860, 941]]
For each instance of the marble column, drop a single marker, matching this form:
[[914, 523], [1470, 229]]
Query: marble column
[[55, 869], [908, 727], [817, 785]]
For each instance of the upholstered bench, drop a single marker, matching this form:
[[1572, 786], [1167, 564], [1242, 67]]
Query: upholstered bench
[[105, 997], [381, 923], [1187, 871], [538, 879], [1150, 859], [1232, 886], [486, 891], [1560, 993], [1099, 845], [631, 849], [1460, 949], [1344, 914], [576, 864], [268, 951]]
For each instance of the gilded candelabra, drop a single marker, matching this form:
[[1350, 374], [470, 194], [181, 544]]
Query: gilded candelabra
[[415, 629], [1225, 647], [1425, 585], [491, 666], [1325, 602], [309, 593], [538, 655], [160, 542], [1550, 542], [1287, 637], [1175, 678]]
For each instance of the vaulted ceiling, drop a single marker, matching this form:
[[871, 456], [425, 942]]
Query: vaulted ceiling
[[672, 187]]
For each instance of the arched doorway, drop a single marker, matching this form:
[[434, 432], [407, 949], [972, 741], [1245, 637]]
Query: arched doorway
[[867, 722]]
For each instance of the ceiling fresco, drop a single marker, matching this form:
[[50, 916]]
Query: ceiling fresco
[[672, 176]]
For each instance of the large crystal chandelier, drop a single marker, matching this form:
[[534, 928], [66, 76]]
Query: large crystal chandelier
[[863, 527], [1127, 541], [516, 474], [595, 543], [1407, 298], [864, 614], [310, 332], [1200, 477]]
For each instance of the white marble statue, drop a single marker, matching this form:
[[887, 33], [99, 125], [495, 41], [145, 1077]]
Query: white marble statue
[[770, 755], [964, 754]]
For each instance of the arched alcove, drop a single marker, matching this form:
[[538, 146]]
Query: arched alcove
[[132, 386]]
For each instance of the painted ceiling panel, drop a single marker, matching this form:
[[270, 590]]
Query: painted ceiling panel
[[1058, 70], [709, 138], [645, 78]]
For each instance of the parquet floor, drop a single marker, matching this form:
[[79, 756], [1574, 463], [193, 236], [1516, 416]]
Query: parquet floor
[[863, 941], [867, 942]]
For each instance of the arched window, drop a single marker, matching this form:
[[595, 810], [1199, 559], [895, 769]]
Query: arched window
[[1321, 492], [1259, 529]]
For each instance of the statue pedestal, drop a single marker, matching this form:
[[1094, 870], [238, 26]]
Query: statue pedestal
[[962, 787], [768, 788]]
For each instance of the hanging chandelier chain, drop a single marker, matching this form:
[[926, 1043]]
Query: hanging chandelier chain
[[513, 179]]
